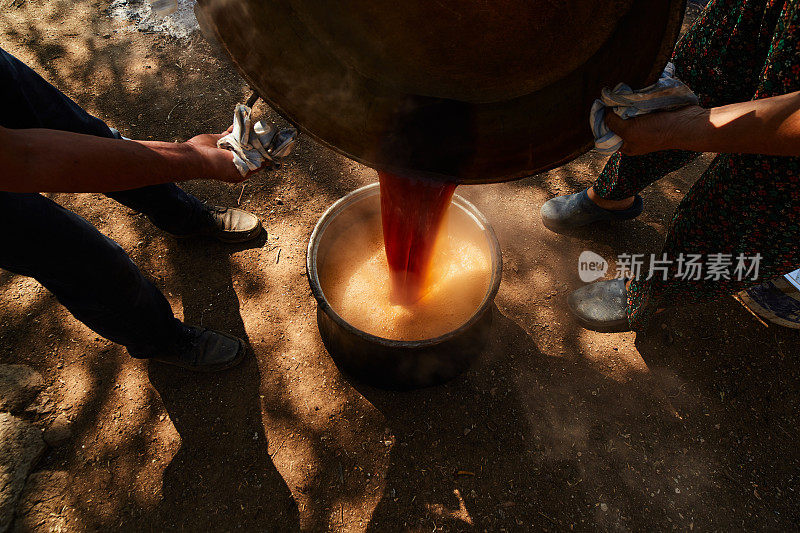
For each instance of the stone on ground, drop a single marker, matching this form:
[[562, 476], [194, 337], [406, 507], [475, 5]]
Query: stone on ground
[[19, 384], [41, 505], [59, 431], [21, 445]]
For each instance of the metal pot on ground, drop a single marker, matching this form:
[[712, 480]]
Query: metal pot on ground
[[392, 363]]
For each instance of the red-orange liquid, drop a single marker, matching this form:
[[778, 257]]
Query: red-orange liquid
[[412, 211]]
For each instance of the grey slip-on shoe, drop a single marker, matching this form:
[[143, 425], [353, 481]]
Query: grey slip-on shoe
[[577, 210], [601, 306]]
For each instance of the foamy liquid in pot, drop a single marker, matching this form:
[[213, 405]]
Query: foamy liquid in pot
[[357, 283]]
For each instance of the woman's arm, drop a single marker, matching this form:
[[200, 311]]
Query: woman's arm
[[42, 160], [769, 126]]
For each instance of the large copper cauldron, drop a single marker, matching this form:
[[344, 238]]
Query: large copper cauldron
[[471, 90]]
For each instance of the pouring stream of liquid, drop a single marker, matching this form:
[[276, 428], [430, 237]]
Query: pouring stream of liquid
[[412, 211]]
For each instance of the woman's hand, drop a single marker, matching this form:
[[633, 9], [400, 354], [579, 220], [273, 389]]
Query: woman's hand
[[654, 131]]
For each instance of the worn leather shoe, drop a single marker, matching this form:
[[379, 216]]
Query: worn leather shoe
[[204, 350], [233, 225], [576, 210], [601, 306], [228, 224]]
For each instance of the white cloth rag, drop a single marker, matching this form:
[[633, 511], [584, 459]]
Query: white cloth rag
[[253, 144], [665, 94]]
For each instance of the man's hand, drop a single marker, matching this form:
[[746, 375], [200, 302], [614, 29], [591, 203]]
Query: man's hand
[[42, 160], [654, 131], [217, 162]]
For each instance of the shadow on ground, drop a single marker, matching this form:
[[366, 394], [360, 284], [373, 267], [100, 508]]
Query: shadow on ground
[[223, 468], [525, 440], [691, 425]]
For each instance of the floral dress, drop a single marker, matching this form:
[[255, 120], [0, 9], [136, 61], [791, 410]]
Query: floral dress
[[743, 206]]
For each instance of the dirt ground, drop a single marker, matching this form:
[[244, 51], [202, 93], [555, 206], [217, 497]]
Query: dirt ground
[[692, 425]]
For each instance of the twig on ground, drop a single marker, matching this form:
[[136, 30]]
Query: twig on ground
[[171, 110], [736, 297], [778, 345], [273, 454], [551, 520]]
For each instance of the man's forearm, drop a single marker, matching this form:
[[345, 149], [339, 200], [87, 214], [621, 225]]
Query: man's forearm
[[40, 160], [770, 126]]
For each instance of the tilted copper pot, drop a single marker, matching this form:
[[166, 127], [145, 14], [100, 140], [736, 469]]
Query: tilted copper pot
[[468, 90]]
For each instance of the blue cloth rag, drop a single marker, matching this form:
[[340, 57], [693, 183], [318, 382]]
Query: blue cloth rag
[[665, 94]]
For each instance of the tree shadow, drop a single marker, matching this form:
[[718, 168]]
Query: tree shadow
[[222, 476], [733, 381], [528, 441], [633, 236], [550, 439]]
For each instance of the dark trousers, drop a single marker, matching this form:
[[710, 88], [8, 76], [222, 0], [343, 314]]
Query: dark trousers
[[88, 272]]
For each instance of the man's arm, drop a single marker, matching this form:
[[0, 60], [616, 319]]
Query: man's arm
[[42, 160], [769, 126]]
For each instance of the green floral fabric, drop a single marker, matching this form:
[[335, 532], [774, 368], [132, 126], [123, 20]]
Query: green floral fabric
[[743, 204]]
